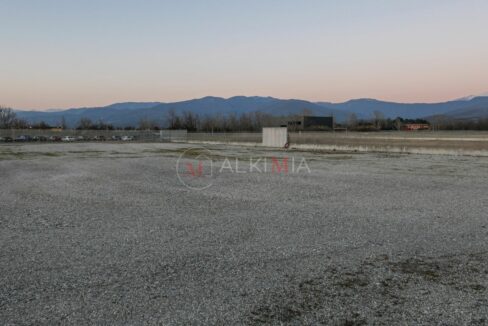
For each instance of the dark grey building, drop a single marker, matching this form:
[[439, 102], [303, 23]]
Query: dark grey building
[[310, 123]]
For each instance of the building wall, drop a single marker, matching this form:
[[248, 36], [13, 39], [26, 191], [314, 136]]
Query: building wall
[[415, 126], [275, 137], [310, 122]]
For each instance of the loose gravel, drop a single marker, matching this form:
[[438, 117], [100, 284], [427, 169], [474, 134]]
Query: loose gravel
[[107, 234]]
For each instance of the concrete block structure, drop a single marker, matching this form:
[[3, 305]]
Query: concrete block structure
[[275, 137]]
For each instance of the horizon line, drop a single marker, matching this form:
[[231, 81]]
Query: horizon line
[[466, 98]]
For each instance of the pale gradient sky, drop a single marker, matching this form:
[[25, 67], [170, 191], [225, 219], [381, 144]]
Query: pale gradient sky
[[72, 53]]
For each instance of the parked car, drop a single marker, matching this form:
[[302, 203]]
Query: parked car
[[127, 138], [23, 138], [117, 138], [55, 138], [99, 138], [80, 138], [68, 139], [8, 139], [39, 138]]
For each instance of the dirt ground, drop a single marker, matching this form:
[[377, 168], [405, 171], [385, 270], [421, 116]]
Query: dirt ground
[[112, 234]]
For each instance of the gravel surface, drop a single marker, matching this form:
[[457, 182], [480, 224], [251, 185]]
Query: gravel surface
[[108, 234]]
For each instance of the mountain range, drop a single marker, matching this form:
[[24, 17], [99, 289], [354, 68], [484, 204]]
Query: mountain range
[[130, 113]]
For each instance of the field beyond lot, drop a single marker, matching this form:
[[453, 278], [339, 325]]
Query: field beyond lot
[[96, 233]]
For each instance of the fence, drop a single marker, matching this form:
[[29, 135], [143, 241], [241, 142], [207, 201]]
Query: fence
[[474, 141], [329, 137], [139, 135], [224, 137], [173, 135], [396, 141]]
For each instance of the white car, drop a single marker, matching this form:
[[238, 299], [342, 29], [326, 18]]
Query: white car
[[127, 138], [68, 138]]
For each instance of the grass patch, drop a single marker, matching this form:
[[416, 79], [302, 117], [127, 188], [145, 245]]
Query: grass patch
[[86, 152], [51, 154], [428, 270], [10, 155]]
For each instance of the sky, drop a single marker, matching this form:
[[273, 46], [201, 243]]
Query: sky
[[71, 53]]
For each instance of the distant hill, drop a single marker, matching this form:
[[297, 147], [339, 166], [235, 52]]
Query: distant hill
[[478, 110], [130, 113], [364, 108]]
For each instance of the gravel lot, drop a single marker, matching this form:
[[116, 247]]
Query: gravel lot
[[107, 234]]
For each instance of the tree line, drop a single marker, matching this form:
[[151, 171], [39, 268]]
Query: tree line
[[249, 122], [9, 120], [440, 122], [246, 122], [379, 122]]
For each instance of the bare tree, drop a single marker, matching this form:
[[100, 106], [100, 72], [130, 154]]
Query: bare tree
[[146, 124], [85, 124], [63, 123], [438, 122], [19, 124], [7, 117], [352, 120], [190, 121], [379, 119], [171, 118], [398, 124], [209, 123], [245, 122], [233, 122], [41, 125]]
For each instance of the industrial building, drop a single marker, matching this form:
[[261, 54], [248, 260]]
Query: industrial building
[[415, 126], [310, 123]]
